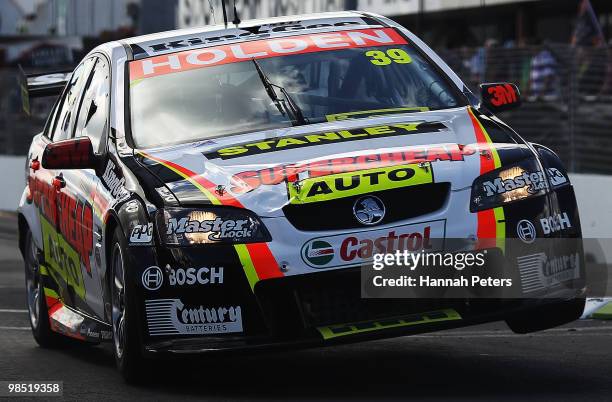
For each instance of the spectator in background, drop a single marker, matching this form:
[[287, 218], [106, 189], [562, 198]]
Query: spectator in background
[[544, 76], [477, 65]]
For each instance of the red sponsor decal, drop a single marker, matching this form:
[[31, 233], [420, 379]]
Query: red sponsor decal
[[251, 180], [502, 95], [75, 224], [352, 247], [261, 49]]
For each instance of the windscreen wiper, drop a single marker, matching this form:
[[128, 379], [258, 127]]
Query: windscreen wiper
[[282, 105]]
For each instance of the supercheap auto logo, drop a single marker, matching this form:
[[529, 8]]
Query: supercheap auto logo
[[300, 141], [250, 180], [363, 182]]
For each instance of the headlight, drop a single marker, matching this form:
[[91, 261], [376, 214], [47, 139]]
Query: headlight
[[213, 225], [508, 184]]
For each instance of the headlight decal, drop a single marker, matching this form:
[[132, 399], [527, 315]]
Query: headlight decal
[[256, 258], [491, 222]]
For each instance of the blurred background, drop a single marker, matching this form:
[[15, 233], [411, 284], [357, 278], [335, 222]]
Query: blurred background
[[557, 51]]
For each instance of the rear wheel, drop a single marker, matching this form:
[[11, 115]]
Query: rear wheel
[[37, 304], [547, 316], [126, 338]]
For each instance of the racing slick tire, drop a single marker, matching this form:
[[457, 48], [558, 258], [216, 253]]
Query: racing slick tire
[[38, 311], [126, 338], [547, 316]]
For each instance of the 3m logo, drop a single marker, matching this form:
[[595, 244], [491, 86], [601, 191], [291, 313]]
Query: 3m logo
[[502, 95]]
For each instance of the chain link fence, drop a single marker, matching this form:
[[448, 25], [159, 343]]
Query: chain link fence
[[567, 100], [567, 96]]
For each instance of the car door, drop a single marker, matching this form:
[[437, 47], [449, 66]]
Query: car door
[[92, 121], [64, 236]]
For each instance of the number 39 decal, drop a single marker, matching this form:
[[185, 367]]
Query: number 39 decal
[[380, 58]]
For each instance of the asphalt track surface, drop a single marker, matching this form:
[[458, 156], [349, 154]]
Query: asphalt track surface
[[484, 362]]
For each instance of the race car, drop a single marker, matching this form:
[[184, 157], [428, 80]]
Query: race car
[[223, 188]]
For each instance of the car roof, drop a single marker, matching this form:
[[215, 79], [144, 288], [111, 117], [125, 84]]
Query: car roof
[[191, 38]]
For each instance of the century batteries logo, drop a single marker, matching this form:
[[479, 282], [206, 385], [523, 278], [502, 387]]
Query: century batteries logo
[[218, 229], [359, 247], [172, 317], [332, 137], [533, 181], [363, 182]]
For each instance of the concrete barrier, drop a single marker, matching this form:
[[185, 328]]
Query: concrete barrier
[[12, 181]]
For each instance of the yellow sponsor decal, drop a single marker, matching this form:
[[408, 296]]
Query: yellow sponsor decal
[[374, 113], [322, 138], [343, 185], [384, 58], [335, 331], [63, 261]]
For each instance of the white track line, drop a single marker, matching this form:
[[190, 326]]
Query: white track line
[[16, 328], [8, 310], [503, 334]]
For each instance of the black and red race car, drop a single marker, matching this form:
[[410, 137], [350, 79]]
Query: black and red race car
[[221, 188]]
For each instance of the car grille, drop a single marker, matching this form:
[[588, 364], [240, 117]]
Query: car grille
[[400, 204], [329, 298]]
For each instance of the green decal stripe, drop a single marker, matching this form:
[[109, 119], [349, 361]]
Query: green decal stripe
[[336, 331], [247, 264]]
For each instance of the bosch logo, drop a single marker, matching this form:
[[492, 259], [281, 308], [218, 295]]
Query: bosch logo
[[152, 278], [369, 210], [526, 231]]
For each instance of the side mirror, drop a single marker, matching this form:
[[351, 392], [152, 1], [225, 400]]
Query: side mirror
[[501, 96], [76, 153]]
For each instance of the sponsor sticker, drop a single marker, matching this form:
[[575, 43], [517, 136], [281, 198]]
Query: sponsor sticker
[[152, 278], [532, 181], [215, 229], [142, 233], [63, 260], [555, 223], [556, 177], [362, 182], [359, 247], [526, 231], [330, 137], [253, 179], [113, 182], [262, 49], [539, 271], [172, 317], [195, 276]]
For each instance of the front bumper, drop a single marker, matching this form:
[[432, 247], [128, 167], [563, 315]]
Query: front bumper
[[320, 308]]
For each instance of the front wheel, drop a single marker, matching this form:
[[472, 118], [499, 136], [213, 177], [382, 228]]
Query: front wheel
[[126, 338], [547, 316]]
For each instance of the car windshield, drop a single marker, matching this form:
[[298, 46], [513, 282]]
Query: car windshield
[[217, 91]]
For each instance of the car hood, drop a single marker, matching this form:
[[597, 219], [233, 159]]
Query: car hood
[[264, 171]]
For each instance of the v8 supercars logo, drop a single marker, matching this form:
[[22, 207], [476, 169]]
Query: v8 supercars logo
[[363, 182], [358, 248], [172, 317]]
